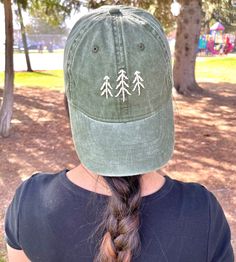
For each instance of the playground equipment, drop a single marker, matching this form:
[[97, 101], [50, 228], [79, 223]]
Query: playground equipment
[[217, 42]]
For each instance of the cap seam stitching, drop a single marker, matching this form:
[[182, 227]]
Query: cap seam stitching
[[158, 32], [72, 54]]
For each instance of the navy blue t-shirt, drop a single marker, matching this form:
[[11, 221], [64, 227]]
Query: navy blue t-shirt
[[54, 220]]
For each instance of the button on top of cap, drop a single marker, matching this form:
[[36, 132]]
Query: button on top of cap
[[115, 11]]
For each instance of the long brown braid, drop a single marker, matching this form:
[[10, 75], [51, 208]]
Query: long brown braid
[[121, 220]]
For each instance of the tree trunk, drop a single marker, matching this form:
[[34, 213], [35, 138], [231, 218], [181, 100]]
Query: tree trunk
[[7, 103], [187, 36], [23, 35]]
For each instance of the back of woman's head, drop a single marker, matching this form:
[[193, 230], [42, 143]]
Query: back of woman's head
[[121, 220], [118, 81]]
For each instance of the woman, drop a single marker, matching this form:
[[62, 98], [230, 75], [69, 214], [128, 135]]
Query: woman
[[117, 205]]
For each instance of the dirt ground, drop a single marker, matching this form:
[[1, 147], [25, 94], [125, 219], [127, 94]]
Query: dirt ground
[[205, 149]]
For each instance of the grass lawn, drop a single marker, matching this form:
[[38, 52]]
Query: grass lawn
[[216, 69], [44, 79], [208, 69]]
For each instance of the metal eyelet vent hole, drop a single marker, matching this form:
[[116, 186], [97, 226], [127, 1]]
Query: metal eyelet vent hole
[[141, 46], [95, 49]]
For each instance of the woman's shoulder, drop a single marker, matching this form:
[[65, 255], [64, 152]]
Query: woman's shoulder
[[173, 188], [35, 186], [195, 201], [192, 198], [187, 204], [26, 202], [191, 195], [190, 189], [178, 198], [40, 179], [192, 192]]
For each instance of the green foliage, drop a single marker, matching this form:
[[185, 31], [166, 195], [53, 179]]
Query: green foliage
[[160, 9], [221, 11], [40, 26], [53, 12], [23, 3]]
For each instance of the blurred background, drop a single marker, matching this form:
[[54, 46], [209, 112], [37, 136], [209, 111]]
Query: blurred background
[[34, 130]]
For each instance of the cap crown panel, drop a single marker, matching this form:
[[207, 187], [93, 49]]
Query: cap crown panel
[[91, 71]]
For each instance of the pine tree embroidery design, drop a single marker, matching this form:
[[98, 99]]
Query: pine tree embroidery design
[[106, 87], [138, 82], [122, 78]]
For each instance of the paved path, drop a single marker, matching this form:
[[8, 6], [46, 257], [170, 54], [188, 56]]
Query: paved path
[[44, 61]]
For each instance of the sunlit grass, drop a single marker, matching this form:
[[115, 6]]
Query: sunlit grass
[[2, 259], [52, 79], [216, 69], [208, 69]]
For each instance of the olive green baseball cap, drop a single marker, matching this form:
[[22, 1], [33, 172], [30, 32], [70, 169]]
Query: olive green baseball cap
[[118, 83]]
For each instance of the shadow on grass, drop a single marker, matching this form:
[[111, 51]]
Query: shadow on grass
[[205, 131], [40, 140], [43, 73]]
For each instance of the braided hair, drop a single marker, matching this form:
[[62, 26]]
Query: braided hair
[[121, 220]]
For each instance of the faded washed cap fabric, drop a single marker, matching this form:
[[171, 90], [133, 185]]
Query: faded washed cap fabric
[[118, 81]]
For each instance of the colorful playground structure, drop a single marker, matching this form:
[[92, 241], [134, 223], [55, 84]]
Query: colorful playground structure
[[216, 43]]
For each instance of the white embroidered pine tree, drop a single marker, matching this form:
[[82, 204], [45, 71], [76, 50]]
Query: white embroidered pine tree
[[122, 78], [106, 87], [138, 82]]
